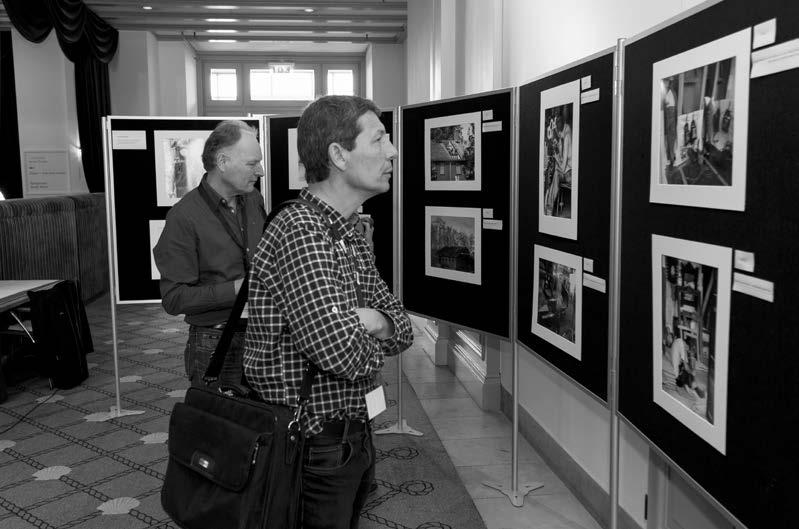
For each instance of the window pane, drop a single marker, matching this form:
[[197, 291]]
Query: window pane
[[223, 84], [297, 85], [340, 83]]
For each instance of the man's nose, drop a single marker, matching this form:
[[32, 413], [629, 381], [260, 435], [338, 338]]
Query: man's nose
[[391, 153]]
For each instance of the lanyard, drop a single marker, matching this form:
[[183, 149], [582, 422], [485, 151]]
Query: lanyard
[[225, 224]]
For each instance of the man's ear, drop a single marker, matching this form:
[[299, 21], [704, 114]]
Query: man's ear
[[221, 160], [337, 155]]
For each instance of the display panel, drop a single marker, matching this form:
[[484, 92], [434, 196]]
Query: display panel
[[761, 369], [455, 219], [152, 162], [550, 325]]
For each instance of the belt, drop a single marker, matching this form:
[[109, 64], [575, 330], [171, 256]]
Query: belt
[[241, 326], [343, 427]]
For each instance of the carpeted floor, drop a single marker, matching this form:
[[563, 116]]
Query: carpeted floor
[[64, 465]]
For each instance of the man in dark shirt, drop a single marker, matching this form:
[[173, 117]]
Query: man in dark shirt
[[207, 244], [304, 307]]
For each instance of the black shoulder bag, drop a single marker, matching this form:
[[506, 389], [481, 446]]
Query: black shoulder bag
[[236, 462]]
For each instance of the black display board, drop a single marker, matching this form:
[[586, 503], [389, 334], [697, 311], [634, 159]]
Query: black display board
[[380, 207], [483, 307], [758, 477], [593, 217], [132, 183]]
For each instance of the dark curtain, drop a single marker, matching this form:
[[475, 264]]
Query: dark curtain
[[11, 175], [89, 42]]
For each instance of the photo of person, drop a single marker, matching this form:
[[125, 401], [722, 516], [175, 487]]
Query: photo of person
[[700, 104], [691, 284], [558, 160], [452, 152], [689, 321], [557, 299], [452, 245], [178, 163]]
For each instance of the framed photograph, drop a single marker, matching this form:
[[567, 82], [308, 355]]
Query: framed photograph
[[558, 299], [700, 113], [690, 334], [452, 152], [559, 160], [156, 227], [296, 169], [453, 243], [178, 163]]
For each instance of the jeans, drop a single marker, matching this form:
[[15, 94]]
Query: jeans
[[336, 476], [201, 345]]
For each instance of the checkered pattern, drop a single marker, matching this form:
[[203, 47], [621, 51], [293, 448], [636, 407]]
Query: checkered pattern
[[301, 307]]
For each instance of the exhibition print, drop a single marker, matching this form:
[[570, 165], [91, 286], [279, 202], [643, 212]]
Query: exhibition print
[[691, 315], [156, 227], [178, 163], [296, 169], [453, 243], [452, 152], [558, 167], [557, 299], [700, 112]]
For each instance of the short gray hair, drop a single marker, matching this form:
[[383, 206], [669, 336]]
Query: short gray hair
[[225, 134]]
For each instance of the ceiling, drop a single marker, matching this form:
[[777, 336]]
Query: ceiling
[[290, 26]]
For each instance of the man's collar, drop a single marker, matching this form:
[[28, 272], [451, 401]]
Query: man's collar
[[213, 194], [334, 217]]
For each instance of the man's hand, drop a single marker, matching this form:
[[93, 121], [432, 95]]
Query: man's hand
[[376, 323]]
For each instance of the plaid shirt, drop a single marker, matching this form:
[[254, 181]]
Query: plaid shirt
[[301, 307]]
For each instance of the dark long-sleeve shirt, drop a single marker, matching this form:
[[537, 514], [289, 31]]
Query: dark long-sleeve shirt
[[302, 306], [199, 261]]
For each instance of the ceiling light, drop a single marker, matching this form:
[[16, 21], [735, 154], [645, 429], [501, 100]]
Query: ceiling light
[[147, 8], [222, 40], [308, 10], [221, 19], [221, 7], [221, 31]]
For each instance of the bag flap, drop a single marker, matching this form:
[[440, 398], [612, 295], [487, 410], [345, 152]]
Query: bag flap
[[214, 447]]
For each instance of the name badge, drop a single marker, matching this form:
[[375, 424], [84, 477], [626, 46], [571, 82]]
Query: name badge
[[375, 402]]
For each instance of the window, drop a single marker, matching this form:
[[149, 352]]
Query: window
[[224, 85], [340, 82], [296, 85]]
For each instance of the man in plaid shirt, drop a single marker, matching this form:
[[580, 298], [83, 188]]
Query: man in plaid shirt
[[303, 306]]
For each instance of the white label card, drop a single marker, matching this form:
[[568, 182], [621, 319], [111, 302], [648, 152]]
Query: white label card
[[488, 213], [128, 139], [745, 261], [775, 59], [492, 126], [590, 96], [594, 282], [764, 33], [492, 224], [753, 286], [585, 82], [375, 402], [488, 115], [588, 264]]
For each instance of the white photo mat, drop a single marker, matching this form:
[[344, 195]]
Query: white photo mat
[[720, 258], [296, 170], [475, 120], [156, 227], [574, 262], [471, 217], [736, 46], [193, 142], [565, 94]]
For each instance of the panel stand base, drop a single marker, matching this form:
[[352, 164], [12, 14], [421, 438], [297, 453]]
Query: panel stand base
[[121, 412], [399, 428], [516, 497]]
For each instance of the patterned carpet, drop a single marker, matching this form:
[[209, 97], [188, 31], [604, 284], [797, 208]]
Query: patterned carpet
[[64, 464]]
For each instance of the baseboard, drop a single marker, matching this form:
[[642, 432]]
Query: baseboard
[[483, 389], [582, 485]]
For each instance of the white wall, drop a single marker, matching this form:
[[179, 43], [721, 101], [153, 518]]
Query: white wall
[[419, 50], [46, 108], [385, 74], [177, 79], [133, 75]]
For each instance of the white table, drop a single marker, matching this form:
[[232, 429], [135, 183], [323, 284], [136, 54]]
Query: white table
[[14, 293]]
